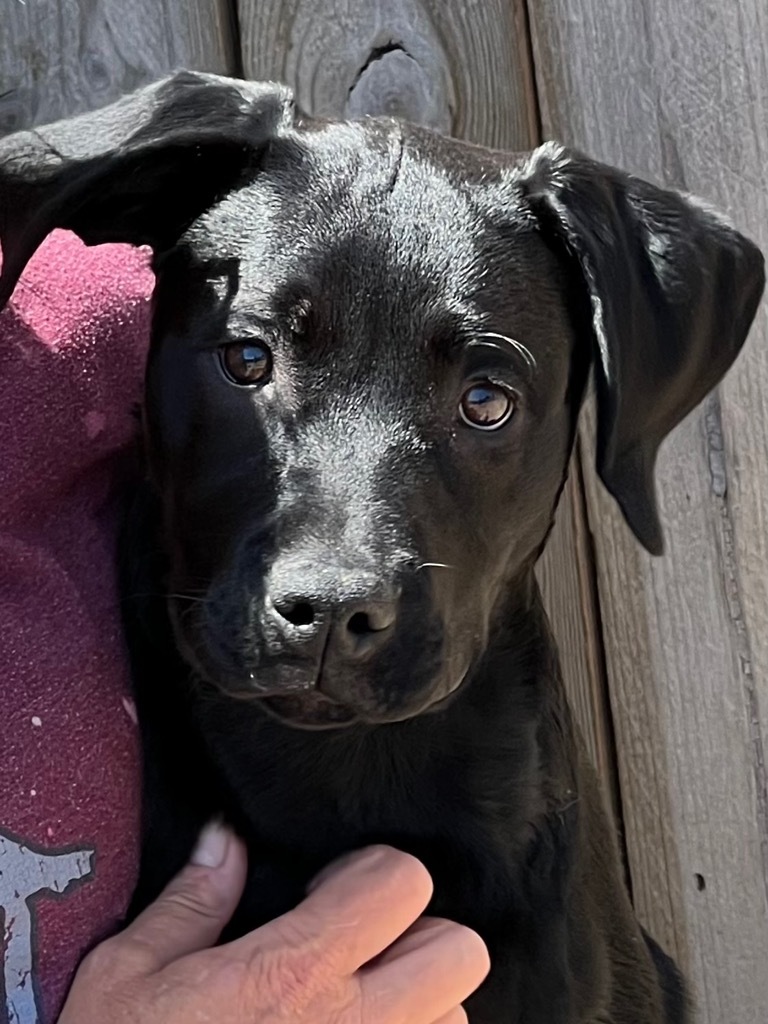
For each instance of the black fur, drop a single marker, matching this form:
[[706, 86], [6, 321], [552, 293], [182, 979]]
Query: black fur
[[336, 633]]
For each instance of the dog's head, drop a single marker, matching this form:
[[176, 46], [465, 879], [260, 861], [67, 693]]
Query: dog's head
[[370, 347]]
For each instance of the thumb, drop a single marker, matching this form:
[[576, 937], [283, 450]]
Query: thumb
[[191, 912]]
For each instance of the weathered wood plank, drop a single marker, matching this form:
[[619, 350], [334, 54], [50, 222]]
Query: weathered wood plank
[[461, 66], [678, 92], [60, 57], [572, 604], [458, 65]]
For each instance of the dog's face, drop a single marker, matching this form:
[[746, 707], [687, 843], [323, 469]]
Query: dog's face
[[370, 346], [360, 405]]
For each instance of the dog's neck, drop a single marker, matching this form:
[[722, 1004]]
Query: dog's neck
[[510, 723]]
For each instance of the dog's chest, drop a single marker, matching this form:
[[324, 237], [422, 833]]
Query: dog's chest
[[300, 812], [305, 799]]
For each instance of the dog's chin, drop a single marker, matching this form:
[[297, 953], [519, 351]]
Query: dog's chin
[[311, 711]]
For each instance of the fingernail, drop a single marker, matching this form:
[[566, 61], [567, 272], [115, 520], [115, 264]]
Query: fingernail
[[372, 854], [212, 846]]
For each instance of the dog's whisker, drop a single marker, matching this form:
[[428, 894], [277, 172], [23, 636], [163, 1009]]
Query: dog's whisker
[[434, 565], [194, 584]]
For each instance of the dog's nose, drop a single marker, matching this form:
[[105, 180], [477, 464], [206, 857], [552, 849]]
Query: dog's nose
[[355, 626]]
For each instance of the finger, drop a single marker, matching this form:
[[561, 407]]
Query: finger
[[355, 910], [420, 933], [427, 973], [456, 1016], [192, 911]]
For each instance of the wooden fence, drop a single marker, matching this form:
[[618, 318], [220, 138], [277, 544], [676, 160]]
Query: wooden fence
[[666, 659]]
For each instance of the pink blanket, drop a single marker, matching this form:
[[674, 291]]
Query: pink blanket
[[72, 348]]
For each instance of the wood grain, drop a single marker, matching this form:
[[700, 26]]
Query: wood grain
[[60, 57], [678, 92], [461, 66], [457, 65], [567, 578]]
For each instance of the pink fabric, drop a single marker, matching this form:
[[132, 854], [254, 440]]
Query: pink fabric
[[72, 349]]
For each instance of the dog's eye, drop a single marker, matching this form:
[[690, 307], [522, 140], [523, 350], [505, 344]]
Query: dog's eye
[[486, 406], [247, 362]]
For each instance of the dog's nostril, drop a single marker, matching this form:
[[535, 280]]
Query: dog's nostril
[[300, 613], [375, 621], [360, 624]]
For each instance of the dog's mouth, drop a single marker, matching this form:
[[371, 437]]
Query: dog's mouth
[[304, 708], [312, 710], [306, 693]]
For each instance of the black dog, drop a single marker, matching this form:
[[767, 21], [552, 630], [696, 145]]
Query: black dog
[[369, 350]]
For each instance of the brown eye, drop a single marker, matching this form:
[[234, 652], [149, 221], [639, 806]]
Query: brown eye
[[486, 406], [247, 362]]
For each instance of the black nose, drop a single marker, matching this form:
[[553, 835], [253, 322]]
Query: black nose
[[355, 626]]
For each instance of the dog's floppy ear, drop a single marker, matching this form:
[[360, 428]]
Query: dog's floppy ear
[[672, 290], [138, 171]]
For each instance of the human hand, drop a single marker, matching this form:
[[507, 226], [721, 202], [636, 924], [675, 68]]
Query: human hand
[[356, 950]]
